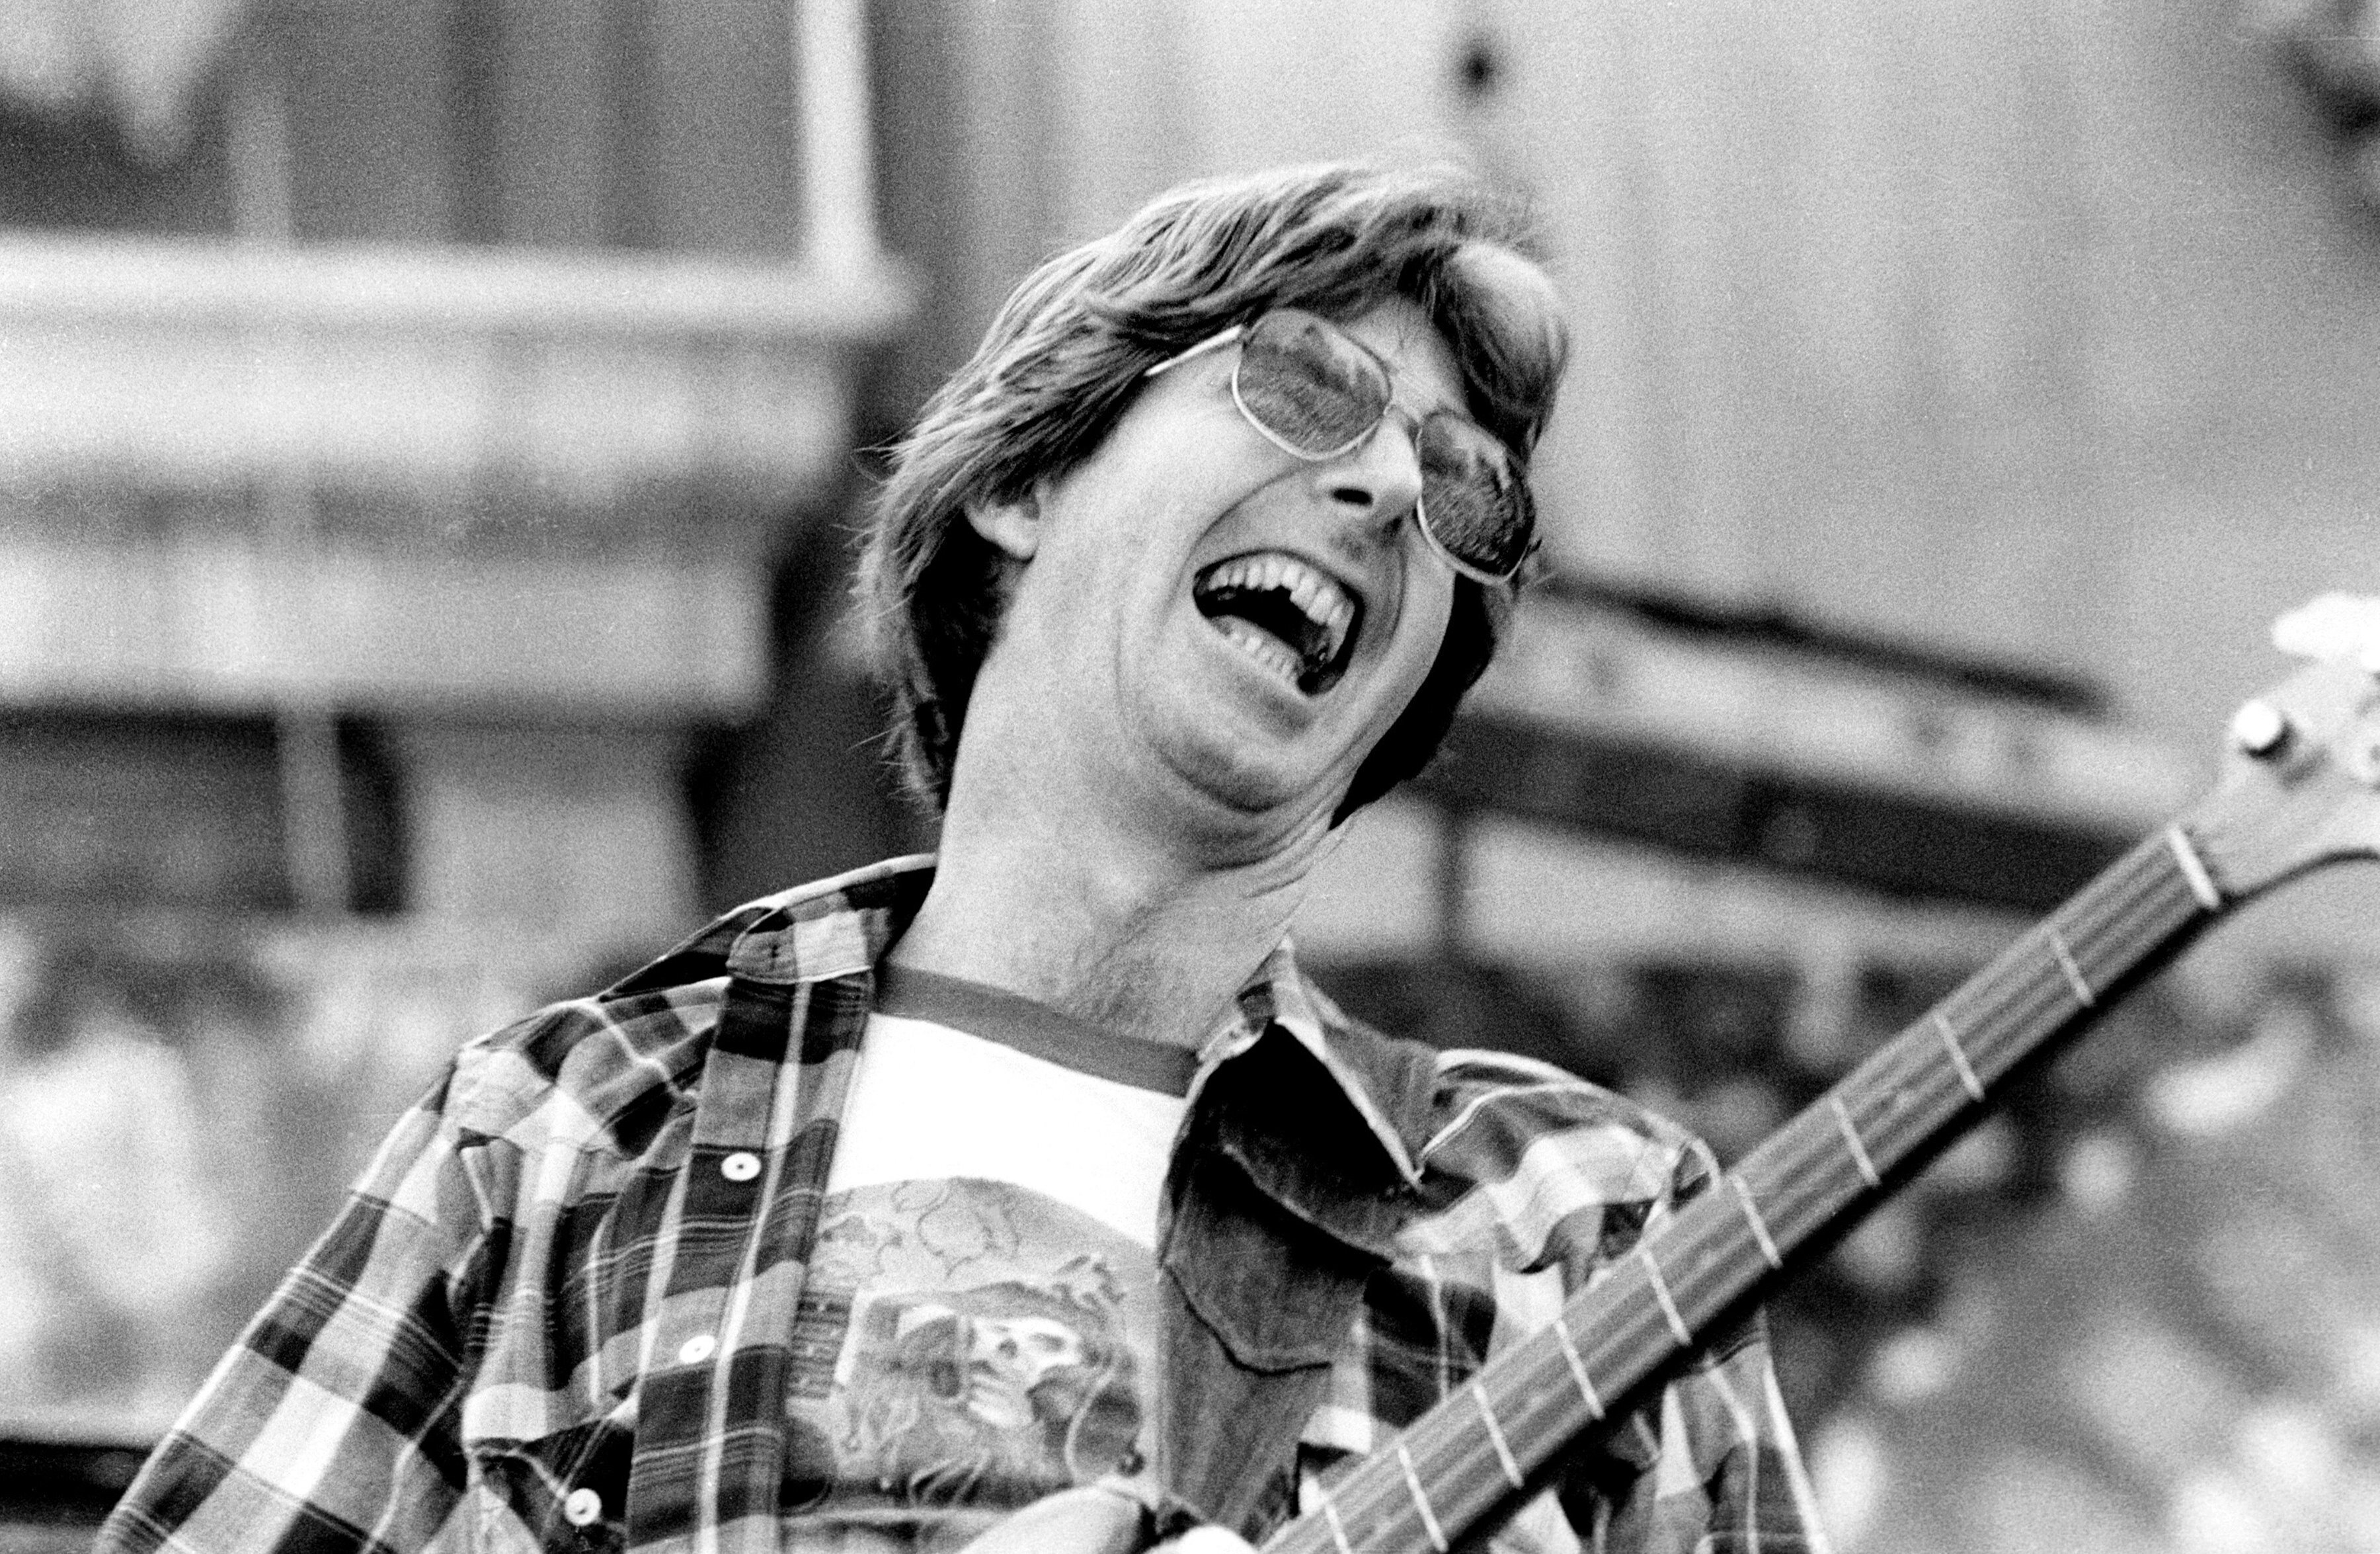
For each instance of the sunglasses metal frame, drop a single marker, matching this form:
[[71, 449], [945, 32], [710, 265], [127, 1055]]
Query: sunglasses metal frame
[[1240, 332]]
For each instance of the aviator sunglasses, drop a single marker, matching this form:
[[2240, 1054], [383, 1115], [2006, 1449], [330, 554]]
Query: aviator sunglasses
[[1317, 392]]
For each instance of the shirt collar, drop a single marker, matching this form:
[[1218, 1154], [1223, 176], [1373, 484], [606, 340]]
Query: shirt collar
[[828, 928], [1280, 995], [842, 925]]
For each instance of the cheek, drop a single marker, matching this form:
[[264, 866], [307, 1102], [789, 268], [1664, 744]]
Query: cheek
[[1427, 606]]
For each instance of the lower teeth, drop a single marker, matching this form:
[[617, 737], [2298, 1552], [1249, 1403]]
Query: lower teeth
[[1263, 649]]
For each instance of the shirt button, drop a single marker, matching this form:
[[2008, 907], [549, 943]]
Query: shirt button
[[699, 1348], [582, 1508], [741, 1166]]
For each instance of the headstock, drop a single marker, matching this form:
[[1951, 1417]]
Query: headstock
[[2301, 783]]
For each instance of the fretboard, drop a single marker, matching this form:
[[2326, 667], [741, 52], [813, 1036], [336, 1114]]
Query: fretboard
[[1473, 1452]]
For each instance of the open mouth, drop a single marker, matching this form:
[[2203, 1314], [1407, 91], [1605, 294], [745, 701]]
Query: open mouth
[[1291, 617]]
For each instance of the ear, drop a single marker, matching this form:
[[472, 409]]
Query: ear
[[1012, 528]]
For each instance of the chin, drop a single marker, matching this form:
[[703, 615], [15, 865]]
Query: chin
[[1243, 799], [1228, 764]]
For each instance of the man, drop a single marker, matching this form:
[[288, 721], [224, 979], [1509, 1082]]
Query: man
[[1035, 1176]]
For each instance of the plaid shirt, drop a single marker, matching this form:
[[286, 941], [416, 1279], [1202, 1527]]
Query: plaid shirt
[[568, 1278]]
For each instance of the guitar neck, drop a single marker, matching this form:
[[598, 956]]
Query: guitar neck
[[1473, 1452]]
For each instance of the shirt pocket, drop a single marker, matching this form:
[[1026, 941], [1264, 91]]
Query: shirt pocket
[[1277, 1293]]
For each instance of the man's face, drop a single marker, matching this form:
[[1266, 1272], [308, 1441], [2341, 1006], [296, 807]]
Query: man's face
[[1211, 616]]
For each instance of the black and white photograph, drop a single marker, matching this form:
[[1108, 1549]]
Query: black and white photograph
[[1189, 776]]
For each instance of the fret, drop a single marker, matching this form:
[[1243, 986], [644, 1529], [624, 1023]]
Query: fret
[[1577, 1366], [1496, 1437], [1759, 1226], [1974, 1085], [2193, 868], [1338, 1528], [2083, 993], [1851, 1137], [1421, 1502], [1661, 1293]]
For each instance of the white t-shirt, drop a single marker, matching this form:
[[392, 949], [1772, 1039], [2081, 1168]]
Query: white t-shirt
[[978, 1327]]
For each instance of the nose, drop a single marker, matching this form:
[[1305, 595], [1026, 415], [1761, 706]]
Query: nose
[[1377, 482]]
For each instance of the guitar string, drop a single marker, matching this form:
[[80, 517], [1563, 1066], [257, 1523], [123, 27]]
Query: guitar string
[[1466, 1479], [2114, 923], [2148, 904], [2121, 925], [2145, 872], [1904, 1092], [2013, 1015], [2010, 1009], [2185, 901]]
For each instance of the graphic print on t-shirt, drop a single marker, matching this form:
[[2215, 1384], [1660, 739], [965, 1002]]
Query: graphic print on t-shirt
[[965, 1344]]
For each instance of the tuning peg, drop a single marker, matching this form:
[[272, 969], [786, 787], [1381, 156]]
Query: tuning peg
[[2337, 625], [2260, 729]]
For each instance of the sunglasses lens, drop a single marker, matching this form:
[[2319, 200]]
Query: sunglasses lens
[[1318, 393], [1308, 385], [1473, 503]]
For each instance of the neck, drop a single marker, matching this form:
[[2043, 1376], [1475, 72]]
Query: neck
[[1076, 906]]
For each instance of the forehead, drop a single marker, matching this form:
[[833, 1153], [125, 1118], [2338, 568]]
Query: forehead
[[1422, 363]]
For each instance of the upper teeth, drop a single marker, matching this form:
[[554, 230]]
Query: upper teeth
[[1317, 596]]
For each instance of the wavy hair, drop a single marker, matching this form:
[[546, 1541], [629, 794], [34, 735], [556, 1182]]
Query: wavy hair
[[1066, 353]]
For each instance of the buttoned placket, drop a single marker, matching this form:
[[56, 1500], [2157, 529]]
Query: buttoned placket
[[720, 1336]]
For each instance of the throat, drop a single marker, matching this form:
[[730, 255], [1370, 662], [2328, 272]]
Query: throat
[[1166, 974], [1111, 927]]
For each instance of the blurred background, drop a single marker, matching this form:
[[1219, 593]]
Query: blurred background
[[430, 432]]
